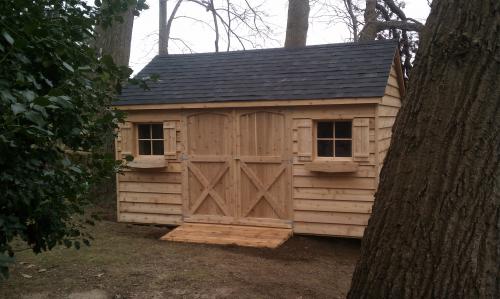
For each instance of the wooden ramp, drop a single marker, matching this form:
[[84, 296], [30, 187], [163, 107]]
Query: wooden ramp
[[249, 236]]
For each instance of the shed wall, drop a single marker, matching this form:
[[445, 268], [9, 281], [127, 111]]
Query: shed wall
[[150, 196], [337, 204], [386, 114], [333, 203]]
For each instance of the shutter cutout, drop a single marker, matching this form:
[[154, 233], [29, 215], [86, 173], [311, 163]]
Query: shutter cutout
[[305, 139], [127, 139], [361, 138], [169, 134]]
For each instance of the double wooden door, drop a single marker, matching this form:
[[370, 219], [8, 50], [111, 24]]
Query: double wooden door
[[237, 168]]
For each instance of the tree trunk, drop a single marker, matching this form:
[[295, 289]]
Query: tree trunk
[[297, 23], [434, 232], [163, 34], [116, 39], [369, 31]]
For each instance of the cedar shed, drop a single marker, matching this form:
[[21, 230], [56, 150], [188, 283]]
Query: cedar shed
[[275, 138]]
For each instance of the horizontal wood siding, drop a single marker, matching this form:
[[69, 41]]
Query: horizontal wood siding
[[386, 115], [337, 204], [152, 196]]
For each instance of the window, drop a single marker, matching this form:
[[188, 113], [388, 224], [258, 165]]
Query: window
[[150, 139], [334, 138]]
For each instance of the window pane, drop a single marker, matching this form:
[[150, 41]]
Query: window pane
[[144, 132], [343, 129], [325, 129], [157, 147], [157, 131], [144, 147], [343, 148], [325, 148]]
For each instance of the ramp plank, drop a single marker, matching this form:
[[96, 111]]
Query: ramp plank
[[240, 235]]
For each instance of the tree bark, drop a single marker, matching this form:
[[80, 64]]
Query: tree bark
[[369, 31], [163, 34], [297, 23], [434, 232], [116, 39]]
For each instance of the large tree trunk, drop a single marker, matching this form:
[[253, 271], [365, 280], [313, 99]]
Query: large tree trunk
[[163, 34], [297, 23], [116, 39], [434, 232], [369, 31]]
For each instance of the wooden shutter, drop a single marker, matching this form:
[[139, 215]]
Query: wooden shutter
[[127, 139], [169, 134], [361, 138], [305, 139]]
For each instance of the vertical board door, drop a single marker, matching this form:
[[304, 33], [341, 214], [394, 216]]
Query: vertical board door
[[263, 168], [237, 168], [208, 194]]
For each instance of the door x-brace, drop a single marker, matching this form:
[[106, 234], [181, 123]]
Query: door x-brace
[[263, 190], [208, 186]]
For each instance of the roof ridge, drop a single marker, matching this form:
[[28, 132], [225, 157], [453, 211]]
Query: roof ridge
[[283, 49]]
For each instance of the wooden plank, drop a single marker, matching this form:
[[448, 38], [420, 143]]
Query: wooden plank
[[393, 91], [150, 177], [147, 116], [334, 182], [387, 110], [149, 218], [331, 217], [241, 104], [390, 100], [170, 142], [393, 81], [150, 187], [150, 208], [322, 229], [262, 222], [332, 166], [362, 172], [384, 144], [305, 139], [150, 197], [127, 139], [332, 206], [361, 138], [384, 133], [386, 122], [229, 235], [330, 196]]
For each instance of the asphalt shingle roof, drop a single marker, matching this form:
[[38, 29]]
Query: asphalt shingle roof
[[349, 70]]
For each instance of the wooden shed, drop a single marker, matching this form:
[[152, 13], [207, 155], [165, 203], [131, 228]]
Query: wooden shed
[[279, 138]]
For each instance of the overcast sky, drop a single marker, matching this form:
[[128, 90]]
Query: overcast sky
[[201, 38]]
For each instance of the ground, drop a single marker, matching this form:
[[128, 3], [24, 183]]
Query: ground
[[129, 261]]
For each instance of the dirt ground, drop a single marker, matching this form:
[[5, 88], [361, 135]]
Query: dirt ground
[[128, 261]]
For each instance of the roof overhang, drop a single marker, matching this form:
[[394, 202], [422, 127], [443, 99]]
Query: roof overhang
[[250, 104]]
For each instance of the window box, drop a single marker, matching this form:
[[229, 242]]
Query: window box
[[332, 166], [148, 163]]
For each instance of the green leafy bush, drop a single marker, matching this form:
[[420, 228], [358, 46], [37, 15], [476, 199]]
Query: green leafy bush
[[55, 117]]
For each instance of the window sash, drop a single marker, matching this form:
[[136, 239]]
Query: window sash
[[150, 141], [332, 139]]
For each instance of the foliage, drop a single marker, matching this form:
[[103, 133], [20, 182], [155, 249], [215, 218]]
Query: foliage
[[55, 115]]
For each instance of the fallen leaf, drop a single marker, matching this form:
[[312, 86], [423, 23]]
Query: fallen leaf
[[30, 266], [100, 275], [26, 275], [22, 263], [42, 270]]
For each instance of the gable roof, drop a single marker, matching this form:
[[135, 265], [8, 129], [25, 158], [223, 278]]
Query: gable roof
[[349, 70]]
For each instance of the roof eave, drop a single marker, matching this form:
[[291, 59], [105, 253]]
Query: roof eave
[[245, 104]]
